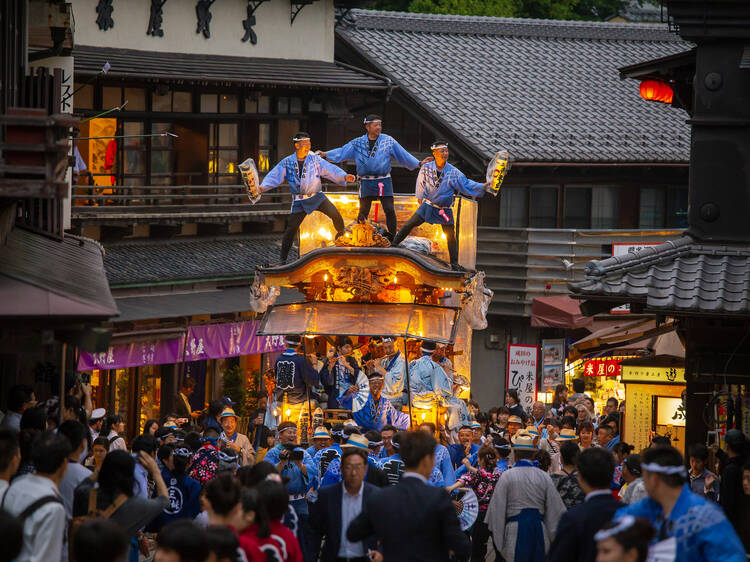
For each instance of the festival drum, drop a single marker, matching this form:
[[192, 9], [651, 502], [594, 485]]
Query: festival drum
[[496, 170], [251, 180]]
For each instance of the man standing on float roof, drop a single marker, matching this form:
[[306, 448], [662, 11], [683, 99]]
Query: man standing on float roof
[[372, 153], [437, 184], [302, 171]]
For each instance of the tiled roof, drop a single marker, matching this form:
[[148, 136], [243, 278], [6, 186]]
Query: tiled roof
[[130, 63], [681, 275], [166, 261], [545, 90]]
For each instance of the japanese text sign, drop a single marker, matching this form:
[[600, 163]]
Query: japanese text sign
[[602, 368], [522, 363]]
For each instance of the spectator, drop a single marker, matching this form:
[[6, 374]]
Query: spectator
[[223, 544], [568, 422], [386, 435], [604, 436], [574, 539], [206, 459], [482, 481], [613, 422], [512, 402], [525, 508], [100, 540], [731, 498], [274, 538], [10, 457], [559, 399], [147, 444], [550, 444], [442, 474], [536, 419], [33, 424], [499, 425], [11, 530], [116, 483], [254, 519], [96, 420], [702, 480], [183, 491], [35, 499], [339, 504], [698, 526], [181, 541], [259, 434], [566, 480], [151, 427], [182, 405], [583, 415], [222, 500], [631, 473], [21, 397], [624, 541], [413, 521], [585, 434], [99, 450], [542, 459], [236, 441], [112, 427], [464, 449], [75, 433]]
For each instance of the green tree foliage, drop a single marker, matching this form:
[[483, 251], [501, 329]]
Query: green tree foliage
[[548, 9], [234, 387]]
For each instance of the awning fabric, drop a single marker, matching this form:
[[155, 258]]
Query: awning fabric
[[558, 312], [130, 63], [210, 341], [433, 323], [44, 278], [626, 335]]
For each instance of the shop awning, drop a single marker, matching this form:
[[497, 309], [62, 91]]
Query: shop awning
[[250, 71], [426, 322], [47, 279], [558, 312], [625, 335]]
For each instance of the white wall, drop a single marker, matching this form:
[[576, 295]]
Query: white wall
[[310, 38]]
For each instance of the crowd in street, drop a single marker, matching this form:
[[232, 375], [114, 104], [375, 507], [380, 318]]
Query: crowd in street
[[556, 483]]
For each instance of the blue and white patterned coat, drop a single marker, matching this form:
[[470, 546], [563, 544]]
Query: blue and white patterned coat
[[440, 188], [376, 162]]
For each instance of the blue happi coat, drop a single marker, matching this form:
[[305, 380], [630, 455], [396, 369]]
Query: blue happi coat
[[339, 379], [429, 382], [699, 526], [439, 187], [393, 381], [304, 185], [294, 375], [393, 467], [376, 415], [442, 474], [297, 483], [375, 163], [323, 458]]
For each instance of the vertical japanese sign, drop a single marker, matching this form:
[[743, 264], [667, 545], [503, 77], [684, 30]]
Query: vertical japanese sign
[[553, 364], [621, 249], [522, 362]]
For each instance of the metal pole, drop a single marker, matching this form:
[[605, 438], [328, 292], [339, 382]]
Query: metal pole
[[62, 382], [408, 384], [307, 389]]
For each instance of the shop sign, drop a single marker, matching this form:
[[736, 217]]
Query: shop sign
[[522, 363], [670, 411], [212, 341], [620, 249], [553, 363], [653, 374], [602, 368]]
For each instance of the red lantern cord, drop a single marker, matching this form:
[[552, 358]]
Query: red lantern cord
[[654, 90]]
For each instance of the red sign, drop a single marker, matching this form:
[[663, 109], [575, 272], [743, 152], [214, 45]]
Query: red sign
[[602, 368]]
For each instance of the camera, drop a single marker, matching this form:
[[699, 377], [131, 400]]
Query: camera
[[293, 453], [85, 378]]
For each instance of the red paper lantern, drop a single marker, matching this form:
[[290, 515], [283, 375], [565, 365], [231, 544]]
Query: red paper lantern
[[654, 90]]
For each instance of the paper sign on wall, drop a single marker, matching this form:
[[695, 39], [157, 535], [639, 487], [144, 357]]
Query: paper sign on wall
[[522, 363]]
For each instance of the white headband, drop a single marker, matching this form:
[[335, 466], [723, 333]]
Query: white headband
[[623, 524], [439, 145], [300, 139], [664, 469], [375, 443], [373, 121]]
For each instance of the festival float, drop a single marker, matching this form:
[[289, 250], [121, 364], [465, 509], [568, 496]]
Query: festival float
[[360, 286]]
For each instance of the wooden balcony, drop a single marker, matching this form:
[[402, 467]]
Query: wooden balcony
[[524, 263]]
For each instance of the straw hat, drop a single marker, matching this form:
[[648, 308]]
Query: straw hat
[[567, 435], [515, 419], [523, 440], [228, 413], [475, 425], [532, 430], [321, 433], [357, 441]]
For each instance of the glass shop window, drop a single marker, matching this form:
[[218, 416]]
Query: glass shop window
[[514, 207], [651, 207], [223, 153], [264, 147], [83, 98], [136, 98], [111, 97], [543, 207], [604, 207], [577, 208], [162, 155], [134, 150]]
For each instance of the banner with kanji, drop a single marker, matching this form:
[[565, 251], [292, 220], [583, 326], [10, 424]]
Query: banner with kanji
[[602, 367], [522, 364]]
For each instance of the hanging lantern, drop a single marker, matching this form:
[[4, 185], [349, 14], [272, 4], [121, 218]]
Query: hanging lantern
[[654, 90]]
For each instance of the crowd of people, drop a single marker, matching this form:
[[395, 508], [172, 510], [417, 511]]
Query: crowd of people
[[556, 483]]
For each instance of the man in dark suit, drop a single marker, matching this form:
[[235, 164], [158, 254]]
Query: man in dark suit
[[413, 521], [338, 504], [574, 539]]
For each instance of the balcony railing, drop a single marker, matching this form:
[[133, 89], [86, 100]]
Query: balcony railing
[[524, 263]]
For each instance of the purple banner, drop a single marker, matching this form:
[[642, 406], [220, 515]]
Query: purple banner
[[133, 355], [212, 341], [229, 340]]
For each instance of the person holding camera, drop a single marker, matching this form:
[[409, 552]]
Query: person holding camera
[[296, 466]]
